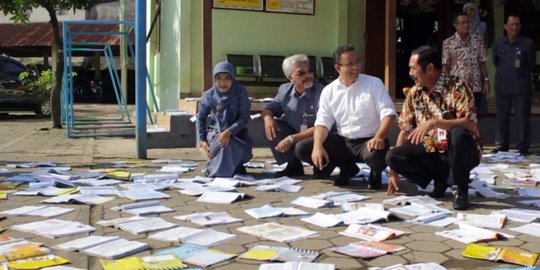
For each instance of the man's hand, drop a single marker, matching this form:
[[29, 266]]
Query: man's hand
[[270, 127], [205, 148], [486, 88], [319, 156], [417, 135], [375, 144], [393, 184], [224, 138], [283, 146]]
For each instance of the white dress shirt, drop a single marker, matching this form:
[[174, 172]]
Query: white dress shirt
[[357, 110]]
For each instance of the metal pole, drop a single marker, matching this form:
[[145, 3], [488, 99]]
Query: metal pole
[[140, 78], [123, 50]]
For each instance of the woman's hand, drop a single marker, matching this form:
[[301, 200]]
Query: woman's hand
[[205, 148], [224, 138]]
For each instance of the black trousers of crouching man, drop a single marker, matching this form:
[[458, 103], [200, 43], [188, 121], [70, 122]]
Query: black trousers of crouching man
[[452, 167]]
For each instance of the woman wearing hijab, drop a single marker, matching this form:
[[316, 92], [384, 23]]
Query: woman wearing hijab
[[225, 141], [476, 26]]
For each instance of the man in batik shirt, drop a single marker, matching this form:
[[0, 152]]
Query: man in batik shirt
[[465, 56], [438, 128]]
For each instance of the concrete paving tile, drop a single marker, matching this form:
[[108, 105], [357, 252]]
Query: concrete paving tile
[[508, 242], [454, 244], [312, 244], [230, 248], [243, 239], [419, 256], [531, 247], [342, 240], [386, 260], [427, 236], [430, 246]]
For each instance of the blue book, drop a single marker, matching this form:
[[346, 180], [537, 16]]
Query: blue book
[[184, 251]]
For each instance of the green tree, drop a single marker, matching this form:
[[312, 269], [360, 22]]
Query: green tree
[[18, 10]]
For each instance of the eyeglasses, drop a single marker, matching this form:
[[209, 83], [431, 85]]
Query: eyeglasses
[[303, 72], [223, 79], [352, 64]]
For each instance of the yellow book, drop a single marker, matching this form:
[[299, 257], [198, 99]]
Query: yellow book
[[37, 262], [129, 263], [162, 262], [24, 251], [3, 195], [262, 253], [119, 174], [509, 255]]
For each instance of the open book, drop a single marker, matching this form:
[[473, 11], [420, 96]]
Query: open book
[[278, 232], [54, 228], [85, 242], [145, 225], [509, 255], [37, 262], [143, 194], [530, 229], [209, 218], [40, 211], [47, 191], [365, 215], [79, 198], [284, 187], [283, 254], [367, 249], [296, 266], [152, 262], [486, 221], [200, 237], [268, 211], [438, 219], [116, 249], [372, 232], [311, 202], [220, 197], [143, 208], [471, 234], [339, 197], [519, 214]]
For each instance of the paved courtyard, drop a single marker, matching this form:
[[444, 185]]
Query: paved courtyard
[[24, 138]]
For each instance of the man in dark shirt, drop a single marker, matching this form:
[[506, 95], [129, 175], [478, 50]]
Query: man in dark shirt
[[514, 59], [289, 118]]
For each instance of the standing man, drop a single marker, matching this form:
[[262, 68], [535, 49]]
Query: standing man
[[437, 124], [514, 59], [363, 112], [290, 117], [465, 56]]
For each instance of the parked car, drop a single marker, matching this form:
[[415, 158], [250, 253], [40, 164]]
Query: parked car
[[14, 96]]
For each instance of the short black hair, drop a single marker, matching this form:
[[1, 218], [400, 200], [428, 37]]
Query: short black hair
[[428, 55], [341, 50], [457, 15], [511, 15]]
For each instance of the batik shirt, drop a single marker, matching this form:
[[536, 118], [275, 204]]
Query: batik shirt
[[449, 99], [464, 58]]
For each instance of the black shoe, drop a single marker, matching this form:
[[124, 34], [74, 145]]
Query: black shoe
[[375, 180], [240, 169], [524, 152], [346, 172], [324, 173], [461, 202], [439, 189], [294, 168], [499, 149]]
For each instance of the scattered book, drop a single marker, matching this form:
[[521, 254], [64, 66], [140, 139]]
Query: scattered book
[[282, 254], [505, 254], [279, 188], [347, 207], [404, 200], [201, 189], [143, 194], [200, 237], [339, 197], [54, 228], [209, 257], [143, 208], [32, 164], [311, 202], [366, 215], [40, 211], [278, 232], [415, 266], [47, 191], [145, 225], [472, 234], [94, 182], [77, 198], [209, 218], [323, 220], [519, 214], [37, 262], [438, 219], [529, 229], [485, 221], [129, 263], [220, 197], [162, 262], [372, 232], [296, 266], [85, 242], [268, 211], [115, 249], [367, 249]]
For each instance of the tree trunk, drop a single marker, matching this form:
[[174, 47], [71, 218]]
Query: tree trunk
[[56, 111]]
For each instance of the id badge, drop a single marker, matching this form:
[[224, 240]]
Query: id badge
[[303, 127], [441, 135], [517, 63]]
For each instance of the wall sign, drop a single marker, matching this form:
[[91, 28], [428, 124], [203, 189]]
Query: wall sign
[[257, 5]]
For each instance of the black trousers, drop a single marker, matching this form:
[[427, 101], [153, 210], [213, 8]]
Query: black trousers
[[284, 131], [452, 166], [522, 111], [344, 152]]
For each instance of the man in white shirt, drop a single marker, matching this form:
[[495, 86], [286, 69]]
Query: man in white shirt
[[363, 112]]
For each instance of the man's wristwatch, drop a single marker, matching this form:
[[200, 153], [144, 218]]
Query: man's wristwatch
[[291, 139]]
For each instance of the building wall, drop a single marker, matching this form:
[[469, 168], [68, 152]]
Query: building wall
[[178, 65]]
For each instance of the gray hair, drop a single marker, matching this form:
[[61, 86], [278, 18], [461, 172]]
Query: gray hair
[[288, 63]]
